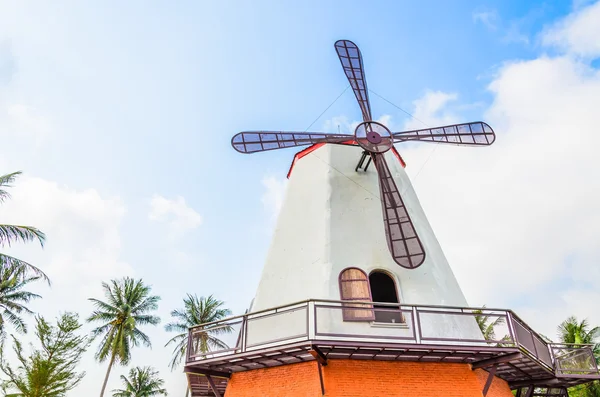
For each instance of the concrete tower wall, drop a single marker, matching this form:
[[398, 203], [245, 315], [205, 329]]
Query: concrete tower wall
[[331, 219]]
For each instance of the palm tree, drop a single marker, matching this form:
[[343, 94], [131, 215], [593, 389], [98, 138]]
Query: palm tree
[[487, 328], [13, 278], [573, 331], [128, 304], [197, 311], [12, 233], [142, 382]]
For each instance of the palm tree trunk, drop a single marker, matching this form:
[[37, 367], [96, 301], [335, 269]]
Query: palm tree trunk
[[112, 360]]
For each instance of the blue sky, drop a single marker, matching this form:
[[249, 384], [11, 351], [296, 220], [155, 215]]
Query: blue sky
[[121, 114]]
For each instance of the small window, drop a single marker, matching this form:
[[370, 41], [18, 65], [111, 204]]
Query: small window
[[383, 289], [354, 286]]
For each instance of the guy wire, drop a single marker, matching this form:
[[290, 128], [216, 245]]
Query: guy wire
[[327, 108]]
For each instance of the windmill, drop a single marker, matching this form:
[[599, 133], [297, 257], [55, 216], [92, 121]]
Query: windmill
[[334, 314], [375, 138]]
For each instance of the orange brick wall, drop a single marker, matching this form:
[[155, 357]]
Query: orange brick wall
[[298, 380], [358, 378], [499, 387]]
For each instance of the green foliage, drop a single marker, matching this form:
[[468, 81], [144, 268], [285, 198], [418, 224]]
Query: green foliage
[[197, 311], [127, 306], [13, 233], [142, 382], [573, 331], [49, 370], [13, 278], [486, 326]]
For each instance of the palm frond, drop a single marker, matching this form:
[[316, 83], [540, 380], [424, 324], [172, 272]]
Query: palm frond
[[105, 307], [139, 335], [9, 261], [4, 182], [15, 320], [147, 319], [12, 233], [13, 278], [177, 327]]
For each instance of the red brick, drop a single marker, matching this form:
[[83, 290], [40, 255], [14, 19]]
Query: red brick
[[358, 378]]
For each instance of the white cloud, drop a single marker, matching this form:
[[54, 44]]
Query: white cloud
[[82, 228], [273, 195], [432, 109], [520, 217], [339, 124], [489, 18], [175, 213], [511, 31], [578, 33]]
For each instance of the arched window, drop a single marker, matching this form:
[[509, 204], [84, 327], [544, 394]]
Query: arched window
[[354, 286], [383, 289]]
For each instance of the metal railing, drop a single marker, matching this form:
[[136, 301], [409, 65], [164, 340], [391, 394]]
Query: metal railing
[[572, 359], [329, 320]]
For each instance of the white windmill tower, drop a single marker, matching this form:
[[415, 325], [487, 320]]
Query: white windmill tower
[[329, 233]]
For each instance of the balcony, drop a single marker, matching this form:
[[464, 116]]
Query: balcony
[[322, 330]]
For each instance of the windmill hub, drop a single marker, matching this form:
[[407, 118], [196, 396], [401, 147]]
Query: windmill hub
[[373, 137]]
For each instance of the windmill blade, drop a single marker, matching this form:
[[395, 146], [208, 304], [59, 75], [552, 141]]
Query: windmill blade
[[476, 133], [352, 63], [404, 243], [260, 141]]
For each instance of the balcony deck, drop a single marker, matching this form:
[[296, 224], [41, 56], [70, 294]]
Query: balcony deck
[[315, 330]]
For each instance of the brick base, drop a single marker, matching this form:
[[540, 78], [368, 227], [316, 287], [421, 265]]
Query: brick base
[[358, 378]]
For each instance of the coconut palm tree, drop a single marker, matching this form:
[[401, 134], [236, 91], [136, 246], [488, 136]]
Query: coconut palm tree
[[13, 278], [142, 382], [13, 233], [573, 331], [580, 332], [197, 311], [127, 306]]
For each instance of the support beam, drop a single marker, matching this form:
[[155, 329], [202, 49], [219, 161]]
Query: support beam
[[213, 386], [530, 391], [489, 380], [201, 371], [496, 360], [318, 355], [546, 382], [321, 378]]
